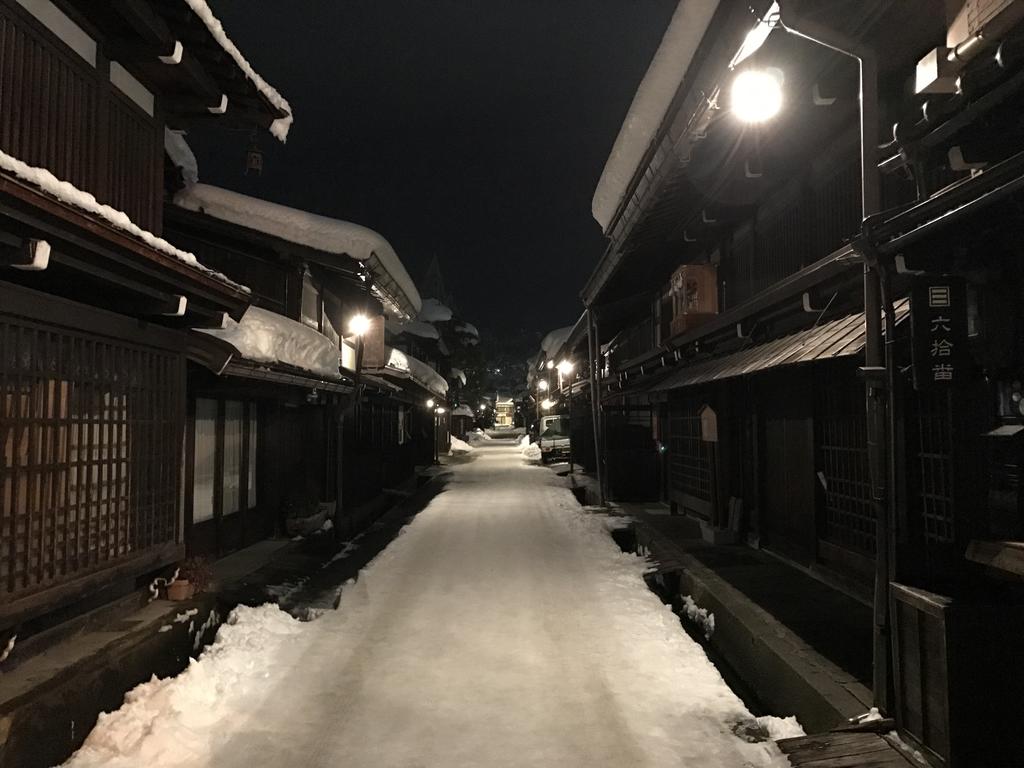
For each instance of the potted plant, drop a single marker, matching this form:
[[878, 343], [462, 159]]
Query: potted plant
[[194, 576]]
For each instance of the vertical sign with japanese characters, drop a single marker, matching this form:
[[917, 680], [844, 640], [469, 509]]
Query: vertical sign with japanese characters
[[938, 310]]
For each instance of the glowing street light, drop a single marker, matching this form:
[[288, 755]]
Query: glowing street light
[[430, 403], [441, 411], [756, 95], [542, 385], [565, 367], [483, 407], [547, 404], [358, 325], [551, 364]]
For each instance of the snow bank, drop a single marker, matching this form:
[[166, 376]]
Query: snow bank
[[459, 374], [279, 128], [72, 195], [321, 233], [156, 726], [181, 155], [651, 104], [462, 410], [699, 616], [532, 452], [459, 447], [415, 328], [554, 340], [267, 337], [433, 311], [418, 371]]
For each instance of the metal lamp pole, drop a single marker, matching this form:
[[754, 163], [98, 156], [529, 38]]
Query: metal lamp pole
[[878, 358]]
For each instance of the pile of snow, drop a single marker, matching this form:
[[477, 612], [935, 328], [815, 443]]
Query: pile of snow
[[699, 616], [651, 104], [459, 447], [72, 195], [267, 337], [477, 436], [181, 155], [414, 328], [523, 441], [433, 311], [458, 373], [462, 410], [530, 451], [553, 342], [418, 371], [279, 128], [320, 233]]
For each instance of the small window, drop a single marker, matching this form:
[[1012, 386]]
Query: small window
[[205, 460]]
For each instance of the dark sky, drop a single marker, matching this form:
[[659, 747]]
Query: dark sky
[[475, 130]]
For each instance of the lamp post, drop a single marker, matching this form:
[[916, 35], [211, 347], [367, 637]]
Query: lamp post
[[879, 365], [542, 386], [433, 416], [566, 367]]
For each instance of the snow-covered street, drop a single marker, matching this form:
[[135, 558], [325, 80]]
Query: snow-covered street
[[502, 628]]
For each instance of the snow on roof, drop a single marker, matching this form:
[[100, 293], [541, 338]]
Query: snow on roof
[[467, 328], [414, 327], [72, 195], [181, 155], [650, 105], [391, 282], [263, 336], [551, 343], [463, 410], [418, 371], [279, 128], [458, 373], [433, 311]]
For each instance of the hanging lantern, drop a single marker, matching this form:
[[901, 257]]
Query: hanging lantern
[[254, 158]]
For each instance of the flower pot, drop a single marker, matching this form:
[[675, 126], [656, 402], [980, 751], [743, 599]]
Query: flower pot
[[179, 589]]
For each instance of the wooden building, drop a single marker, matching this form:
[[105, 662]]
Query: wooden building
[[93, 301], [280, 424], [727, 333]]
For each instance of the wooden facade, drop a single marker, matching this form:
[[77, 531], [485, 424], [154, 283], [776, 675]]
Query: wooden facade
[[93, 387]]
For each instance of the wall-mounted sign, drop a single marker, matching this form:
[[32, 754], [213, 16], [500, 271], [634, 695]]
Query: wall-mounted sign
[[938, 315]]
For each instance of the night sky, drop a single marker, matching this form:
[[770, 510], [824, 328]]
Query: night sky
[[471, 130]]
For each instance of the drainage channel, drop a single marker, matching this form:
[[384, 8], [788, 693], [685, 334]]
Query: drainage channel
[[666, 586]]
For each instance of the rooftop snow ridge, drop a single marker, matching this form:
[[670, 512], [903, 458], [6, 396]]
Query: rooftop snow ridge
[[321, 233], [263, 336], [68, 193], [650, 105], [279, 128]]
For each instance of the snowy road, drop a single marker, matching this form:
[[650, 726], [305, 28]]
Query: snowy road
[[502, 628]]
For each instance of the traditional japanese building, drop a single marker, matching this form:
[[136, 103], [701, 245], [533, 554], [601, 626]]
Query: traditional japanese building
[[93, 299], [841, 393], [280, 422]]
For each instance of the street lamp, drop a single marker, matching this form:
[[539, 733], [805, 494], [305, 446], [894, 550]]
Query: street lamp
[[430, 403], [547, 404], [878, 362], [542, 385], [358, 325], [565, 367], [550, 364], [756, 95]]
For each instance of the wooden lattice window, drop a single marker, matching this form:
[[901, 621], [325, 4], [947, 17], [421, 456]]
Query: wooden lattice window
[[690, 466], [933, 446], [843, 462], [90, 440]]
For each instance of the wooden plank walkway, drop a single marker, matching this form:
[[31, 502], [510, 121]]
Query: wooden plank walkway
[[844, 749]]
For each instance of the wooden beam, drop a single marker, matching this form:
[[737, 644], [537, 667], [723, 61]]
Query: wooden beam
[[146, 23], [1005, 556]]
